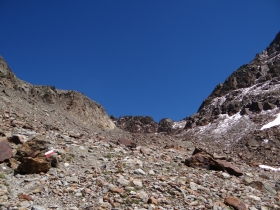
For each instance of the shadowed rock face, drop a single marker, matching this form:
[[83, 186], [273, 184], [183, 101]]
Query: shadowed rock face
[[231, 117]]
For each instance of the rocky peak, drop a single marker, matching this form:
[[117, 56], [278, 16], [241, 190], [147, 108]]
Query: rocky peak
[[274, 46], [234, 115], [263, 68]]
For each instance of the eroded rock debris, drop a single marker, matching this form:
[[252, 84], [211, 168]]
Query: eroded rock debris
[[60, 150]]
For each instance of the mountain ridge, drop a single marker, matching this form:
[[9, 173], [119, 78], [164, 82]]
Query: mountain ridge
[[73, 102]]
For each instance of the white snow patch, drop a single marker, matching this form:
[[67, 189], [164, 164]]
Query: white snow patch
[[273, 123], [218, 101], [269, 168], [180, 124], [226, 122]]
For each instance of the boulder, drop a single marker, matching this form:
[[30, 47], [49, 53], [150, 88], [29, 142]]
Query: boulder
[[202, 159], [232, 170], [235, 203], [32, 156], [252, 144], [33, 148], [6, 151]]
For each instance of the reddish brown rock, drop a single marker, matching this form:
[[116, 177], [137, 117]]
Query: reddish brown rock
[[6, 151], [33, 148], [14, 163], [25, 197], [232, 170], [202, 159], [117, 190], [235, 203], [152, 200]]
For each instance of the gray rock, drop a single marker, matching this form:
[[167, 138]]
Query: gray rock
[[25, 204], [72, 179], [3, 189], [36, 207], [139, 171], [137, 183], [193, 186], [123, 181], [269, 188]]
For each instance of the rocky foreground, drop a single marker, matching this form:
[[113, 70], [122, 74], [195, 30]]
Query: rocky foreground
[[98, 173]]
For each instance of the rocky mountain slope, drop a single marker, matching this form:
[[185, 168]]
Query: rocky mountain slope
[[232, 116], [234, 113], [60, 150], [70, 103]]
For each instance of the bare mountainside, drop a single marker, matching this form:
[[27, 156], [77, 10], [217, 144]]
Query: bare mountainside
[[69, 103], [60, 150]]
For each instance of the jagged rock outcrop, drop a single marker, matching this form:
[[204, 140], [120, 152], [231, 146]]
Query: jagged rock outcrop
[[137, 124], [75, 104], [146, 124], [232, 116], [253, 86]]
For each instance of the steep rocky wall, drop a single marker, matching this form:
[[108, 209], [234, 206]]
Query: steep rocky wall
[[252, 87]]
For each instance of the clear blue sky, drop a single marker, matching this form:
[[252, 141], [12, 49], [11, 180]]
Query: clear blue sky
[[135, 57]]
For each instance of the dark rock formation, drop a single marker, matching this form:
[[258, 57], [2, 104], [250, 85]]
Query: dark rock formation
[[137, 124], [32, 156], [146, 124], [251, 86], [202, 159]]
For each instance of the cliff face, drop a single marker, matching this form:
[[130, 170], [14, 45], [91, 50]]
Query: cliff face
[[68, 103], [235, 116], [252, 86]]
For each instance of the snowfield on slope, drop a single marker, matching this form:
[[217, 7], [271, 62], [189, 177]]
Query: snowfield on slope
[[273, 123]]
